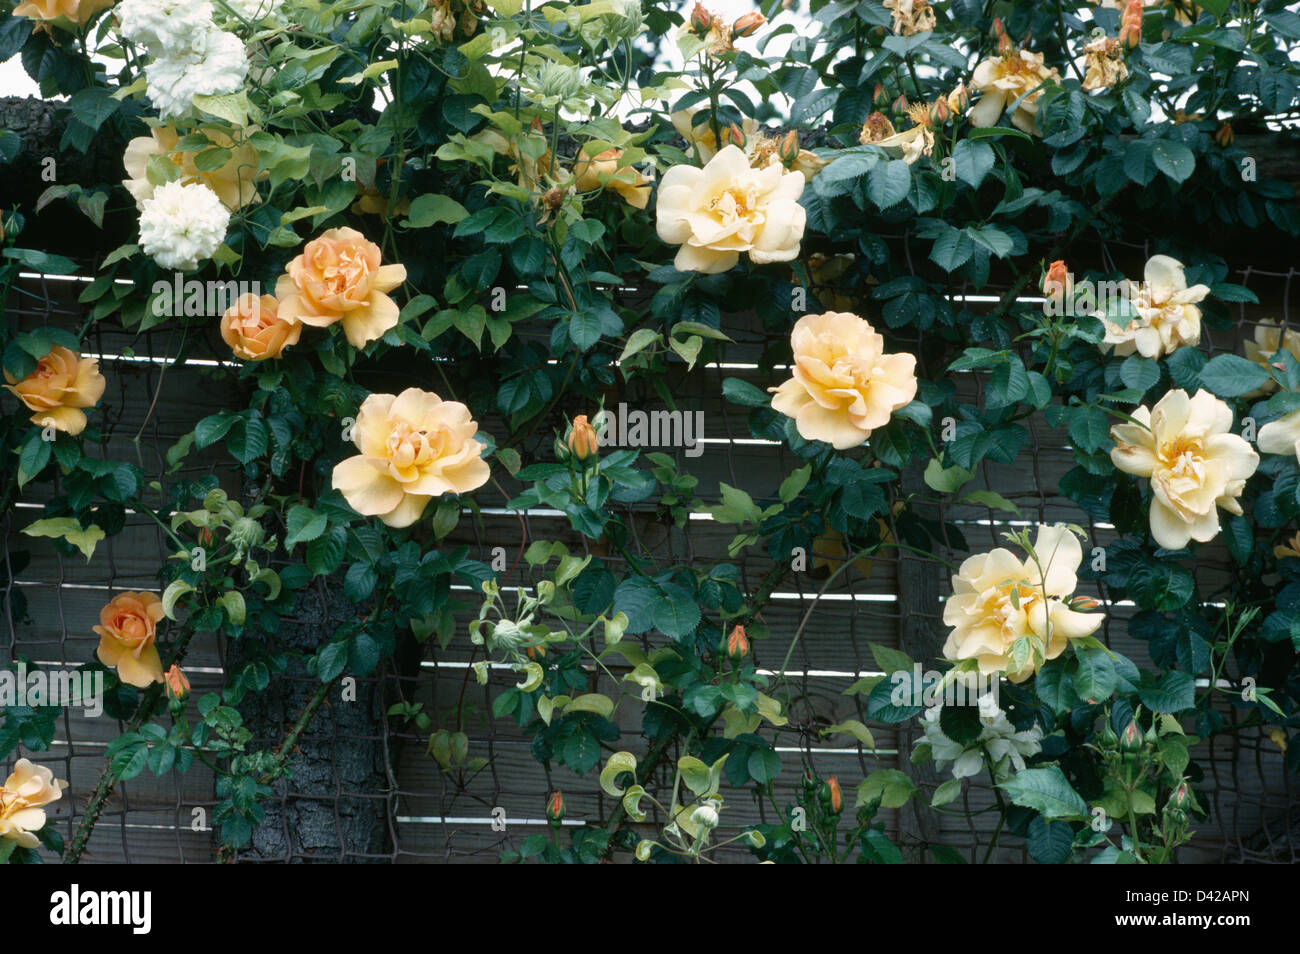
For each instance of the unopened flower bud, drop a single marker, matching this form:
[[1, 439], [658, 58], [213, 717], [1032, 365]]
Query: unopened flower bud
[[809, 782], [246, 533], [832, 798], [1084, 604], [1131, 739], [959, 100], [900, 105], [1130, 24], [1181, 799], [700, 21], [178, 687], [878, 96], [939, 112], [748, 25], [705, 817], [1054, 282], [555, 808], [738, 644], [789, 148], [734, 135], [582, 439]]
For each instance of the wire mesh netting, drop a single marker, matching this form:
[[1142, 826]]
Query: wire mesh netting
[[365, 786]]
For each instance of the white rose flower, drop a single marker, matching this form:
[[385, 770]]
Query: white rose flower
[[164, 26], [1006, 747], [182, 225], [215, 64], [1166, 316]]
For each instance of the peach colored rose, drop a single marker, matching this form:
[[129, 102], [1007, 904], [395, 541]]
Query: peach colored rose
[[1195, 464], [728, 207], [844, 385], [66, 13], [339, 277], [998, 599], [414, 446], [234, 181], [178, 684], [607, 171], [127, 628], [61, 386], [23, 797], [254, 330]]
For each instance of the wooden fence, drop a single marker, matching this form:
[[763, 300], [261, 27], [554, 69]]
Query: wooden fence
[[51, 602]]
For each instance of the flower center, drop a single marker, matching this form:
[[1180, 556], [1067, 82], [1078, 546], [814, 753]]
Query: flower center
[[1184, 458]]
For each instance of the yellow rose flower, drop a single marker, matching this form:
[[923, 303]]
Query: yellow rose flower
[[1004, 80], [128, 628], [1281, 436], [1264, 350], [254, 330], [64, 13], [62, 384], [1166, 316], [844, 385], [339, 277], [1195, 464], [234, 181], [605, 171], [414, 446], [726, 208], [23, 797], [1291, 548], [998, 599]]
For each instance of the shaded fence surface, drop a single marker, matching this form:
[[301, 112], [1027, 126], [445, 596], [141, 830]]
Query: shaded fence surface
[[367, 790]]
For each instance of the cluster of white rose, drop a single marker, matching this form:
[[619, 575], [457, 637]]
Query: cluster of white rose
[[1005, 747], [181, 225], [189, 54]]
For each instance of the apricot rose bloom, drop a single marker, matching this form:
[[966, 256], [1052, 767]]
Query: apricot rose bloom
[[234, 181], [339, 277], [128, 628], [1195, 464], [1008, 79], [254, 330], [728, 207], [844, 385], [61, 386], [607, 171], [1166, 316], [414, 446], [66, 13], [23, 798], [999, 599]]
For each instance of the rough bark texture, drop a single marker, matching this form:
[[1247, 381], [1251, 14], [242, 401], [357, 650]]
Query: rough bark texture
[[334, 806]]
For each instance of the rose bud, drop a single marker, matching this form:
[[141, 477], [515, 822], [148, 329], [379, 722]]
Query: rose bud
[[1084, 604], [1130, 24], [582, 438], [959, 100], [939, 112], [178, 687], [878, 96], [1131, 739], [1181, 799], [555, 808], [700, 20], [738, 644], [748, 25], [1054, 283], [900, 105], [789, 148], [831, 797], [809, 782], [733, 134]]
